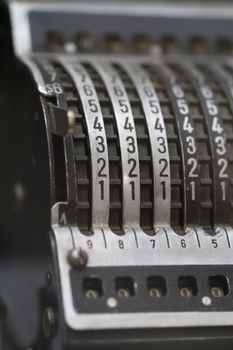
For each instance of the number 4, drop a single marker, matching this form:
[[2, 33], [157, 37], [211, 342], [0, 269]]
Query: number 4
[[128, 125], [97, 124], [187, 126], [158, 125], [216, 126]]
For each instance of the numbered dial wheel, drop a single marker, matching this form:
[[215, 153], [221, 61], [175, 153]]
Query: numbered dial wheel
[[139, 145]]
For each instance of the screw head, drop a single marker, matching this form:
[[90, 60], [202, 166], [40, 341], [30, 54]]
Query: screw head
[[49, 322], [206, 301], [77, 258], [112, 302]]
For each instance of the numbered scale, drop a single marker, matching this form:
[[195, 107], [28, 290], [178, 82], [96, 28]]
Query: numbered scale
[[141, 172]]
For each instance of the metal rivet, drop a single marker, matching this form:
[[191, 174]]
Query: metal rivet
[[112, 302], [70, 47], [206, 301], [49, 322], [78, 258]]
